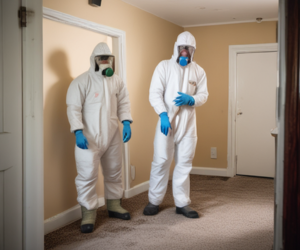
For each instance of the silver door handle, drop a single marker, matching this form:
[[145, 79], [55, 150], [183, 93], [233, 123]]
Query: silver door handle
[[240, 113]]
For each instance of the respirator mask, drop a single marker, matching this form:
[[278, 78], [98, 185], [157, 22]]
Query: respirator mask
[[105, 64], [185, 53]]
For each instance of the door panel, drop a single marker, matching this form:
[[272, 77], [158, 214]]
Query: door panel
[[11, 126], [256, 103]]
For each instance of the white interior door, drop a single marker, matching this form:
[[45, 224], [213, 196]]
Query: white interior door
[[256, 103], [10, 126]]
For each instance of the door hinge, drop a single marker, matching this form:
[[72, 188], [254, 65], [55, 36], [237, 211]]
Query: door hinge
[[22, 15]]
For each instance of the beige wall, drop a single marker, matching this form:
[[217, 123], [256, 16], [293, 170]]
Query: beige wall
[[149, 40], [67, 51], [213, 55]]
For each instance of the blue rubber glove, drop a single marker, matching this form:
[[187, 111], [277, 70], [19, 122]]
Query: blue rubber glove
[[81, 141], [184, 99], [164, 123], [126, 131]]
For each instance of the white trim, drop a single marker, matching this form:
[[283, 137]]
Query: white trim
[[119, 44], [67, 217], [280, 115], [143, 187], [33, 142], [126, 172], [137, 189], [232, 22], [95, 27], [234, 50], [210, 171]]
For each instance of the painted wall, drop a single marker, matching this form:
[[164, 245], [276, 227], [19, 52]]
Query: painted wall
[[212, 54], [67, 51], [149, 40]]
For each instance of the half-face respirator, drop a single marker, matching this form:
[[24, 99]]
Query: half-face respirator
[[105, 64]]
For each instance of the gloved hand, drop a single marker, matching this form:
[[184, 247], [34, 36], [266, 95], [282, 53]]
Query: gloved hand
[[184, 99], [164, 123], [81, 141], [126, 131]]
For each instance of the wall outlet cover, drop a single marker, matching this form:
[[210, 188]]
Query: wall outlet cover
[[213, 153]]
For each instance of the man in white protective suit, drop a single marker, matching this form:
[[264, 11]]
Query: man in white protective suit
[[178, 86], [96, 100]]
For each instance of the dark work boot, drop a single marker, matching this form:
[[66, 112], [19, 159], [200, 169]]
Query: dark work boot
[[88, 220], [187, 212], [151, 209], [115, 209]]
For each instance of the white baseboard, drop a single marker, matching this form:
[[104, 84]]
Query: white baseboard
[[210, 171], [195, 170], [66, 217], [136, 189]]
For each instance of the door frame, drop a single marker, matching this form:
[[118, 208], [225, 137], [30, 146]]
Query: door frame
[[234, 50], [33, 142], [119, 47]]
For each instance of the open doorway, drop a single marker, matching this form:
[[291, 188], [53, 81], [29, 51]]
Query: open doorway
[[66, 52], [68, 44]]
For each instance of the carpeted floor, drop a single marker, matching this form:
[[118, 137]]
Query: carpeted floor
[[235, 213]]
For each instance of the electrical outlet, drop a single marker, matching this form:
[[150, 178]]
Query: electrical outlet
[[213, 153], [132, 172]]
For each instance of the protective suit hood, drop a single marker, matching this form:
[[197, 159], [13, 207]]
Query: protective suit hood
[[101, 49], [185, 38]]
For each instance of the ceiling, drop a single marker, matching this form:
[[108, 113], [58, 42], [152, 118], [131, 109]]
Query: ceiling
[[187, 13]]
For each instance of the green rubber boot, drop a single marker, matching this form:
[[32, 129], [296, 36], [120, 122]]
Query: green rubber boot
[[88, 220], [116, 211]]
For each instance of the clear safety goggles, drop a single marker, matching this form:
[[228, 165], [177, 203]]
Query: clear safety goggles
[[190, 49], [105, 59]]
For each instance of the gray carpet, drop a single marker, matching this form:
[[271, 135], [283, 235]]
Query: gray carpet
[[235, 213]]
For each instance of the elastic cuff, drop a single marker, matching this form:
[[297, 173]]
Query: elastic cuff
[[192, 101], [125, 117], [180, 205], [160, 109], [126, 122], [156, 203]]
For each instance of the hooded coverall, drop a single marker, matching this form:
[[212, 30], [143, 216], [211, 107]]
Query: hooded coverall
[[168, 79], [95, 103]]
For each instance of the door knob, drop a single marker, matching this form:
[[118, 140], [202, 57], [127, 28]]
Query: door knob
[[239, 113]]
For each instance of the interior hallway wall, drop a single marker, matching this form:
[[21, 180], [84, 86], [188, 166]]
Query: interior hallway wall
[[149, 40], [212, 54]]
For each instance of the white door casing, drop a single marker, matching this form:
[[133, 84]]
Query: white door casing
[[256, 113], [33, 137], [119, 48], [234, 50], [279, 175], [11, 219]]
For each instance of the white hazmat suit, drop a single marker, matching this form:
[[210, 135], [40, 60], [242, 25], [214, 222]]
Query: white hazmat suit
[[168, 79], [95, 104]]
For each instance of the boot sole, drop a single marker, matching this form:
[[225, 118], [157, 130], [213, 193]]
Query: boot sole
[[150, 214], [193, 216], [125, 216], [87, 228]]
